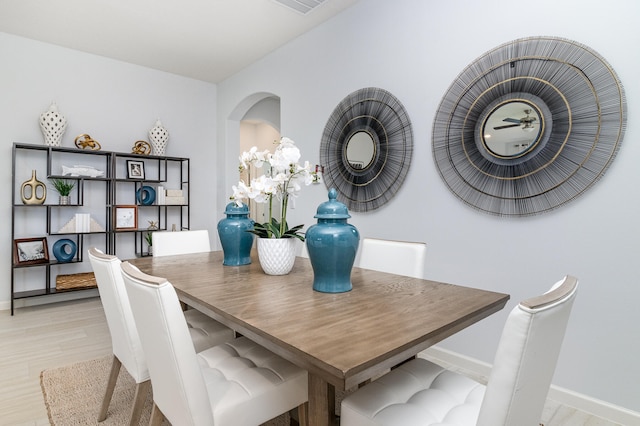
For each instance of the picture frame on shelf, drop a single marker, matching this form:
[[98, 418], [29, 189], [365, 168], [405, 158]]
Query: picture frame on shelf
[[135, 169], [125, 217], [29, 251]]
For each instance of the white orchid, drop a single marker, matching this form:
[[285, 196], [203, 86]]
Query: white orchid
[[283, 179]]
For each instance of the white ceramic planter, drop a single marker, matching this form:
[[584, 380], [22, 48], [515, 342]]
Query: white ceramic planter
[[277, 255]]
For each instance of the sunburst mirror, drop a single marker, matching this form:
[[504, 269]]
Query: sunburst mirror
[[366, 148], [529, 126]]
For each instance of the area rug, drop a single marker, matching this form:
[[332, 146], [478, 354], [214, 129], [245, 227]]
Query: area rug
[[73, 395]]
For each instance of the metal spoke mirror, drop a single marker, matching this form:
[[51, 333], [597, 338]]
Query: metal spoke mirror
[[366, 148], [529, 126]]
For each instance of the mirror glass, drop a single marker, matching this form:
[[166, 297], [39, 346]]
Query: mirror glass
[[512, 129], [360, 150]]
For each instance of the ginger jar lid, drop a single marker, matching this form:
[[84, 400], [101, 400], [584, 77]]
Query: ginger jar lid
[[332, 209], [234, 209]]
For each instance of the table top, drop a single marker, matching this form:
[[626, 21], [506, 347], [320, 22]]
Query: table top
[[343, 338]]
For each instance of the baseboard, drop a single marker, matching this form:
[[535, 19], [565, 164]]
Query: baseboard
[[52, 298], [480, 371]]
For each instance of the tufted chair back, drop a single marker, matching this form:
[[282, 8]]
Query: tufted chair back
[[395, 257], [167, 243], [178, 385], [526, 357]]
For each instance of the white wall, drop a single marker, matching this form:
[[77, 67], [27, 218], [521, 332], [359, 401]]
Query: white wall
[[415, 49], [116, 103]]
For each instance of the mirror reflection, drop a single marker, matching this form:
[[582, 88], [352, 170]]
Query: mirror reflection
[[512, 129], [360, 150]]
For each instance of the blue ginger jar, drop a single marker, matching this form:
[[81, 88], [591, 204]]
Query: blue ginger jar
[[236, 241], [332, 244]]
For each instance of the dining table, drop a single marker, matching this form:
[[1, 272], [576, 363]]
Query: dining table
[[342, 339]]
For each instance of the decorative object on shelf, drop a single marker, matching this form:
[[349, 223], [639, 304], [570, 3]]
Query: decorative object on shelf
[[63, 187], [141, 148], [575, 108], [153, 225], [85, 141], [78, 224], [234, 236], [33, 191], [75, 281], [135, 169], [146, 195], [283, 179], [126, 218], [149, 239], [81, 171], [27, 251], [366, 148], [332, 245], [277, 255], [53, 125], [64, 250], [158, 136]]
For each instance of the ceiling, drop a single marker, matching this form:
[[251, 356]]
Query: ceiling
[[208, 40]]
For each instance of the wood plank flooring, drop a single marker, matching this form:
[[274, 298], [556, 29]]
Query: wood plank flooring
[[57, 334]]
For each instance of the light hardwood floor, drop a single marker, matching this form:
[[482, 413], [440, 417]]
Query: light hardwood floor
[[48, 336]]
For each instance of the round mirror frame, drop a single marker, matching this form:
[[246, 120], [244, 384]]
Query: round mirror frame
[[581, 103], [379, 114]]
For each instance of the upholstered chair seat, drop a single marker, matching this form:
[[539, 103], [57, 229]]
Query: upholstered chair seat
[[203, 331], [420, 392], [237, 383]]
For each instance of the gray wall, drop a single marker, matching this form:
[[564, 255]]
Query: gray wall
[[116, 103], [415, 49]]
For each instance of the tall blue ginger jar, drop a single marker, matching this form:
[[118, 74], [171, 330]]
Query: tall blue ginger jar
[[232, 230], [332, 244]]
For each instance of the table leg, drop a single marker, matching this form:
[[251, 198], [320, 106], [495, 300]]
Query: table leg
[[322, 406]]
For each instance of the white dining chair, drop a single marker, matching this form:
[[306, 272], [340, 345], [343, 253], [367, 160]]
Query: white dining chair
[[204, 332], [420, 392], [236, 383], [396, 257], [167, 243]]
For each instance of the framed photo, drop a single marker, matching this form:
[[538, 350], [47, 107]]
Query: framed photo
[[28, 251], [126, 217], [135, 169]]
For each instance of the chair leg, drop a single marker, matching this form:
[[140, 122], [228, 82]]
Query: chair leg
[[111, 385], [156, 416], [142, 391]]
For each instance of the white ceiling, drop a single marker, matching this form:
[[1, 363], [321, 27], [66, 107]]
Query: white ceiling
[[207, 40]]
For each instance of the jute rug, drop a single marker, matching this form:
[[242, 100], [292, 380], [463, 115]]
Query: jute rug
[[73, 395]]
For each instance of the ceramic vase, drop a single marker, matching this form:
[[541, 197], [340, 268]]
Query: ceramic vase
[[37, 191], [236, 241], [332, 245], [53, 125], [158, 136], [65, 250], [277, 255]]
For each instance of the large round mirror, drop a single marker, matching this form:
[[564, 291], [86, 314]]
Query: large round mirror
[[366, 148], [360, 150], [512, 129], [529, 126]]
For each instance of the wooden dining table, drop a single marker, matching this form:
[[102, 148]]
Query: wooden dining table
[[341, 339]]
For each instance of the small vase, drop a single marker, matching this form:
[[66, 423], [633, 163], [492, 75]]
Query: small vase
[[332, 244], [158, 136], [53, 125], [34, 185], [236, 241], [64, 200], [277, 255]]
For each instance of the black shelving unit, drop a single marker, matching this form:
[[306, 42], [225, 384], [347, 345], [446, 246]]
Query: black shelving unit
[[115, 189]]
